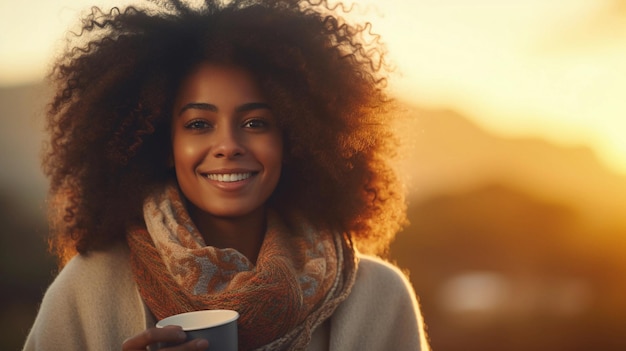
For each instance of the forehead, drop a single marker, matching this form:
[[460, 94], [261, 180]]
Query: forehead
[[218, 81]]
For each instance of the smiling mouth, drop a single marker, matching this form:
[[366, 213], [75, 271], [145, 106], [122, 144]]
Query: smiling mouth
[[229, 177]]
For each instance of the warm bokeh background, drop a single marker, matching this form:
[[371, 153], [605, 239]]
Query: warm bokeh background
[[515, 164]]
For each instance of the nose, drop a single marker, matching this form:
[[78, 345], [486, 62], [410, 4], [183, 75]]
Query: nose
[[228, 143]]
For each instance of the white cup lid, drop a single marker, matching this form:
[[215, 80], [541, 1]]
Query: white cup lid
[[200, 319]]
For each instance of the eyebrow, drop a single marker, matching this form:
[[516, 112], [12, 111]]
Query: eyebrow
[[210, 107]]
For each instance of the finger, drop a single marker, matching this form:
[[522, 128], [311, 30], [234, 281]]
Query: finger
[[150, 336], [196, 345], [193, 345]]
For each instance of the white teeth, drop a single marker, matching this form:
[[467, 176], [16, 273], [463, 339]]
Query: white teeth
[[228, 178]]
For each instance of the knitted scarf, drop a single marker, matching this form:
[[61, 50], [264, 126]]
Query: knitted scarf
[[300, 276]]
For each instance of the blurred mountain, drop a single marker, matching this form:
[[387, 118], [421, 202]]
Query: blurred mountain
[[21, 135], [446, 152], [514, 243]]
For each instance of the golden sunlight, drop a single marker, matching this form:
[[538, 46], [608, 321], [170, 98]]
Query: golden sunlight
[[532, 68]]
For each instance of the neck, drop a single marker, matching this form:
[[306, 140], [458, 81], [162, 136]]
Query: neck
[[244, 234]]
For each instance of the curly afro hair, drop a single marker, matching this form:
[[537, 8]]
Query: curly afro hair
[[109, 121]]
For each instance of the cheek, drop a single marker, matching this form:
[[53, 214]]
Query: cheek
[[273, 153], [186, 153], [269, 153]]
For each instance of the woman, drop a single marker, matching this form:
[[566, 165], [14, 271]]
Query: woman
[[227, 156]]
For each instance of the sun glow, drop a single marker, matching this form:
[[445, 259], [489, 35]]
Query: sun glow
[[532, 68]]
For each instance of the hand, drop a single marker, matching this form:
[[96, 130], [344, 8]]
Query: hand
[[168, 334]]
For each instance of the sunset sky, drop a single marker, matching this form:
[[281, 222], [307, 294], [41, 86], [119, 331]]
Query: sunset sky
[[551, 69]]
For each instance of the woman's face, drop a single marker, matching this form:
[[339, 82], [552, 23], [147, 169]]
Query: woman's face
[[227, 147]]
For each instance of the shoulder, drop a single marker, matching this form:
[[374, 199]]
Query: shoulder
[[382, 290], [375, 273], [93, 276], [97, 264], [92, 292], [380, 283]]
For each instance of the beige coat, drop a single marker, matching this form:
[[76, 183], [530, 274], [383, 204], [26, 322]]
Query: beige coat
[[94, 304]]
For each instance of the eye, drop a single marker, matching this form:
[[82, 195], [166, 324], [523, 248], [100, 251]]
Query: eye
[[197, 124], [256, 124]]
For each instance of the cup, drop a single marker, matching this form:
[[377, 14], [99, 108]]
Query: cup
[[219, 327]]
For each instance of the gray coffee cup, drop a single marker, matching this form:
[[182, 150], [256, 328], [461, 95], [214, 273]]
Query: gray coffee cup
[[219, 327]]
